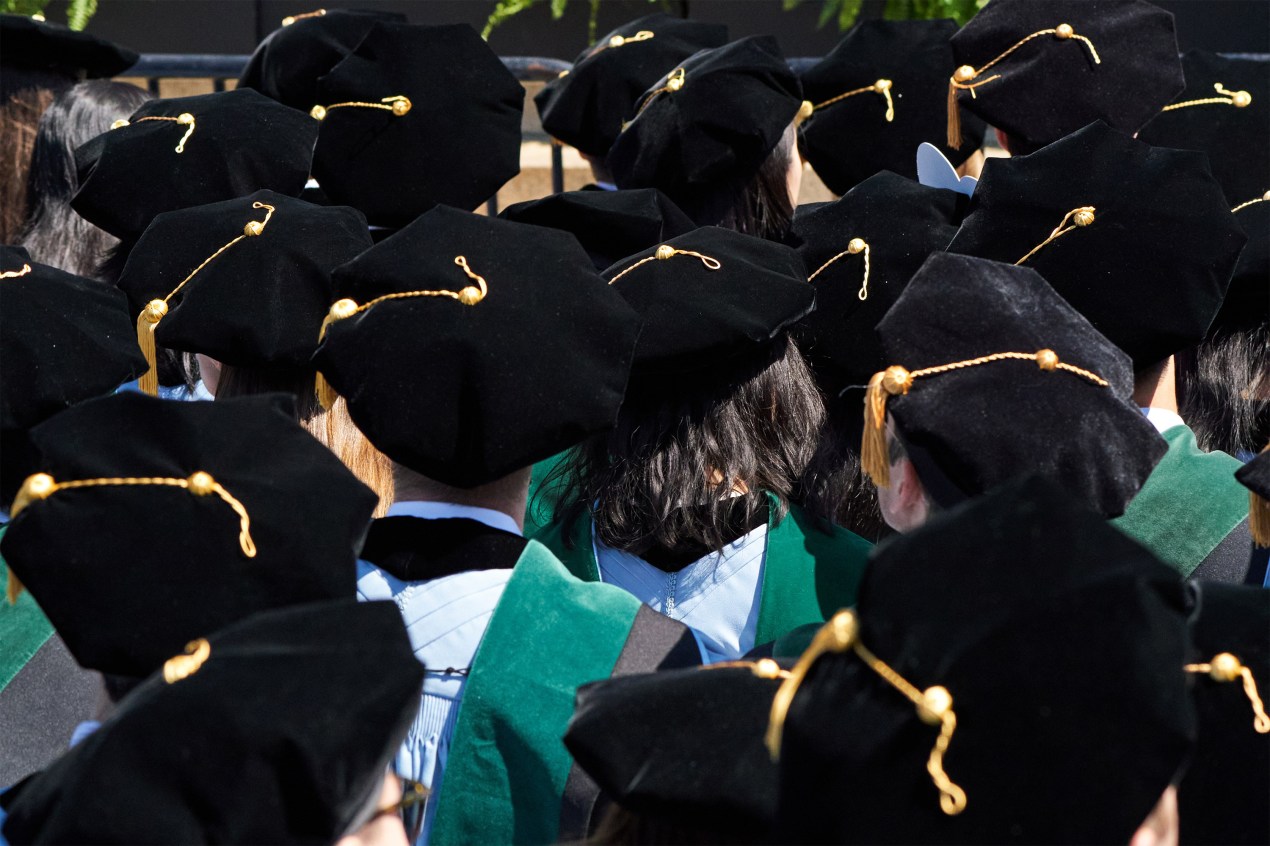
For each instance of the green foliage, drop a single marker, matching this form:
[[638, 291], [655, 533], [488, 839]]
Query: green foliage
[[78, 12], [504, 9], [845, 12]]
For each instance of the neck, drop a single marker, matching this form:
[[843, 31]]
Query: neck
[[599, 172], [509, 495], [1156, 387]]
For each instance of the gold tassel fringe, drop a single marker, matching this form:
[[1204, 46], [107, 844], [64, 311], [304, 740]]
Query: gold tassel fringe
[[147, 322], [14, 588], [1259, 519], [954, 118]]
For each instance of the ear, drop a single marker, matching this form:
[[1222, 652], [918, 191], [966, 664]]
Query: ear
[[909, 490], [1004, 141]]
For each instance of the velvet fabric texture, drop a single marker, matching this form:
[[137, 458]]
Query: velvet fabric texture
[[457, 145], [66, 339], [1052, 86], [286, 66], [262, 301], [702, 143], [681, 747], [902, 223], [1061, 643], [586, 106], [466, 394], [128, 574], [610, 225], [241, 142], [1246, 303], [850, 140], [695, 317], [1150, 271], [1222, 798], [1235, 137], [978, 427], [35, 45], [282, 735], [1255, 475]]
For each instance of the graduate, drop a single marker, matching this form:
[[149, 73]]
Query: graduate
[[860, 252], [467, 349], [244, 286], [687, 503], [214, 511], [277, 729], [66, 339], [994, 375], [876, 96], [1039, 71], [1141, 241], [717, 135], [587, 106], [1016, 670]]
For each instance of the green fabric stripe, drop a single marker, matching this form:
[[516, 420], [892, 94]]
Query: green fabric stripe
[[23, 628], [507, 765], [1189, 503]]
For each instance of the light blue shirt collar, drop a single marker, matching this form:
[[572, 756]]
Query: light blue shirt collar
[[450, 510], [1163, 419]]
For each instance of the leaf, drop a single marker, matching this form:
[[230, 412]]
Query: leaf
[[826, 14], [848, 13], [787, 5], [23, 7], [557, 9], [79, 12], [593, 20]]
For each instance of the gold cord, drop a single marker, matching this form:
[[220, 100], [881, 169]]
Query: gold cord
[[188, 663], [1225, 667], [14, 274], [896, 381], [41, 486], [398, 104], [854, 247], [155, 310], [674, 81], [622, 41], [1263, 198], [290, 19], [934, 705], [962, 78], [664, 252], [1238, 99], [764, 668], [185, 119], [1079, 217], [882, 86], [346, 308]]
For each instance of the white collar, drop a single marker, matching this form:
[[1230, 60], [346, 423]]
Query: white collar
[[605, 186], [448, 510], [1163, 419]]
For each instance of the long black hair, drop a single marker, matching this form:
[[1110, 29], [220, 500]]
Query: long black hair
[[1224, 390], [833, 485], [762, 207], [55, 234], [680, 449]]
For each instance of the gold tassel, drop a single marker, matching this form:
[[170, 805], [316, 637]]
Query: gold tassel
[[147, 322], [873, 447], [340, 310], [1259, 519], [954, 118], [14, 588], [326, 395]]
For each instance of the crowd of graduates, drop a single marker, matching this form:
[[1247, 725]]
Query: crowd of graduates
[[667, 510]]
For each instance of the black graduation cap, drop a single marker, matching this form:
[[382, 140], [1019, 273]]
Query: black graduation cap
[[888, 225], [1038, 71], [278, 729], [66, 339], [40, 46], [993, 375], [1013, 673], [1222, 798], [586, 106], [1246, 304], [288, 63], [188, 151], [610, 225], [704, 128], [711, 297], [242, 298], [1255, 476], [415, 116], [155, 522], [684, 747], [1139, 239], [1224, 111], [876, 96], [469, 347]]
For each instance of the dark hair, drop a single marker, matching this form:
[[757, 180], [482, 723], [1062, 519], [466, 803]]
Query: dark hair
[[645, 482], [333, 427], [24, 95], [1224, 390], [55, 234], [834, 486], [762, 207]]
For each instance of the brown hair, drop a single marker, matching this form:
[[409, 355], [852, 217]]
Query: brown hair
[[334, 428], [19, 119]]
